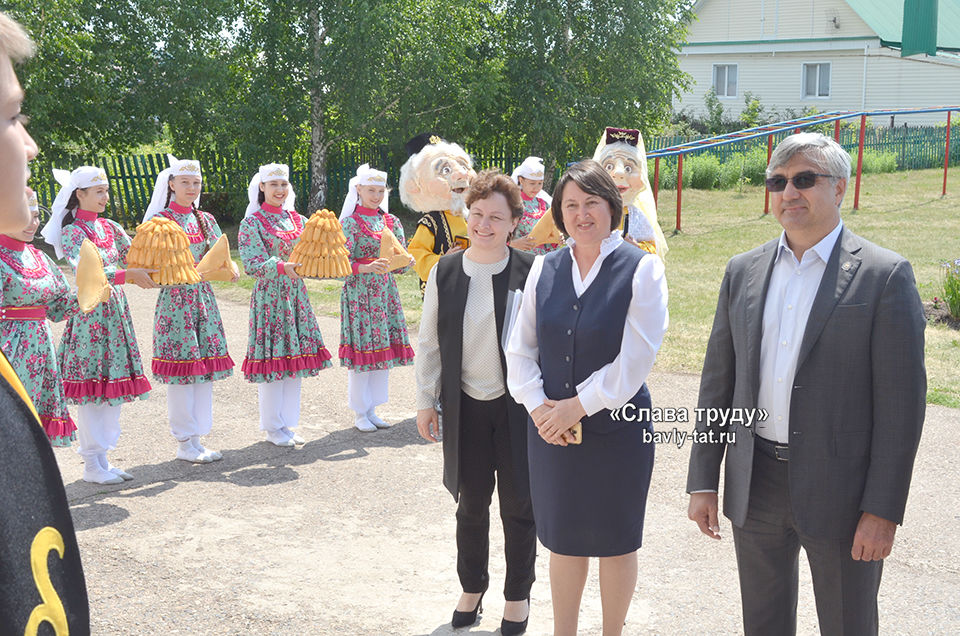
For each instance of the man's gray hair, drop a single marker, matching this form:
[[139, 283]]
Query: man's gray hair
[[14, 41], [820, 150]]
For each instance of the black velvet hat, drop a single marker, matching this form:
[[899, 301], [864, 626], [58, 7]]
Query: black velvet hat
[[626, 135], [417, 144]]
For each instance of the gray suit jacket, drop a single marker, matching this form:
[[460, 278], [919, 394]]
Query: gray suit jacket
[[859, 393]]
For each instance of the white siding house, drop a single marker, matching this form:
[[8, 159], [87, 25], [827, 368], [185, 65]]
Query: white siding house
[[826, 54]]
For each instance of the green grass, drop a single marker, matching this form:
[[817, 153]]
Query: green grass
[[902, 211]]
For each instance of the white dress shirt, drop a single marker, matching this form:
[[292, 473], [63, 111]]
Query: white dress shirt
[[793, 287], [612, 385], [481, 375]]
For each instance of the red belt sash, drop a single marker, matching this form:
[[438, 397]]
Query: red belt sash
[[34, 312]]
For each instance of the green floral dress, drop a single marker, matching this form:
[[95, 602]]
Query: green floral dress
[[373, 330], [189, 344], [99, 357], [284, 340], [533, 209], [33, 289]]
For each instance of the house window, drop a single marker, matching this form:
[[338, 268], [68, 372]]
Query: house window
[[816, 80], [725, 80]]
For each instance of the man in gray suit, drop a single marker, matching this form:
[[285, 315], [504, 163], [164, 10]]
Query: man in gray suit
[[823, 330]]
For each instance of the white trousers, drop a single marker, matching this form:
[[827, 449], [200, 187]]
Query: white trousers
[[190, 409], [98, 429], [367, 390], [279, 404]]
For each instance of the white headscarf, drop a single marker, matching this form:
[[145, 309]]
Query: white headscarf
[[33, 204], [532, 168], [365, 176], [70, 182], [269, 172], [158, 202]]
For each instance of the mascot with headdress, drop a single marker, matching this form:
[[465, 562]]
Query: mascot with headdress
[[434, 182], [622, 154]]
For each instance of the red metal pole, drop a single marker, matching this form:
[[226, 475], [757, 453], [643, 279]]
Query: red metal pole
[[656, 178], [766, 193], [836, 130], [946, 156], [863, 130], [679, 187]]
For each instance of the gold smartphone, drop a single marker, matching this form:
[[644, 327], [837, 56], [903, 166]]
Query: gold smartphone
[[462, 241], [574, 435]]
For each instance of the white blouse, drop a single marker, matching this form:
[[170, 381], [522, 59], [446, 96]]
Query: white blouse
[[612, 385], [481, 375]]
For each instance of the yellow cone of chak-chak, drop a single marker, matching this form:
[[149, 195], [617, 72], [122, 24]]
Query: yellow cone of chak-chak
[[545, 231], [322, 251], [392, 249], [161, 244], [92, 286], [216, 264]]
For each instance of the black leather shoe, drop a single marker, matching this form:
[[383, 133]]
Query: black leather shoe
[[464, 619], [515, 628]]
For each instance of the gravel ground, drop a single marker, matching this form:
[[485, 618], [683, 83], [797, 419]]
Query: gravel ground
[[353, 532]]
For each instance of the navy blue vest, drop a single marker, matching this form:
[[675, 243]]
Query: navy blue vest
[[577, 336]]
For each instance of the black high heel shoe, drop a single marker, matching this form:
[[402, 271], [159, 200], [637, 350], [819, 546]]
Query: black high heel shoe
[[515, 628], [464, 619]]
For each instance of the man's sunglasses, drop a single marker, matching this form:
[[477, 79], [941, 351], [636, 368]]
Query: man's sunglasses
[[801, 181]]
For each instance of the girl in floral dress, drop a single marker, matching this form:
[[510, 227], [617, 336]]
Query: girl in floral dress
[[98, 355], [32, 289], [284, 344], [373, 331], [189, 344], [536, 203]]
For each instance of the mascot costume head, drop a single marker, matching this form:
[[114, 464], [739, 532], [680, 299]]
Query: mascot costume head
[[623, 156]]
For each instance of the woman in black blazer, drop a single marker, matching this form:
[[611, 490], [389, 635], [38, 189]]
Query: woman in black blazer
[[484, 435]]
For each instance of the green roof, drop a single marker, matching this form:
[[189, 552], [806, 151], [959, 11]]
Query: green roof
[[885, 17]]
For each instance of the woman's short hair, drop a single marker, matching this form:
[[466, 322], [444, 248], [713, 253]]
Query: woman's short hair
[[822, 151], [14, 41], [491, 181], [592, 179]]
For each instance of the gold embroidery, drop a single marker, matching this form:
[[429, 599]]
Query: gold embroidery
[[277, 172], [100, 178], [190, 167], [435, 139], [51, 610], [623, 135]]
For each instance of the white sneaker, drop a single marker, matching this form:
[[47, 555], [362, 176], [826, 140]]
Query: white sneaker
[[363, 424], [293, 436], [106, 465], [93, 473], [212, 454], [376, 420], [279, 438], [189, 453]]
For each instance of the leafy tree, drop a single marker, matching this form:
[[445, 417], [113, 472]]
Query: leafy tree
[[574, 67]]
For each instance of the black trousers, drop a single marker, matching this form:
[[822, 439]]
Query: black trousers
[[485, 460], [768, 546]]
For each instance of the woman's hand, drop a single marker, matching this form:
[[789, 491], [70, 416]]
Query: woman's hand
[[141, 277], [290, 269], [379, 266], [428, 424], [526, 243], [560, 419]]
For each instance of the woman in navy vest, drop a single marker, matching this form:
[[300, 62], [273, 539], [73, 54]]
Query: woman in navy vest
[[460, 360], [588, 331]]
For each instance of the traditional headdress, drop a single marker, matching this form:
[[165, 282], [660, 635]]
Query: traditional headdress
[[158, 202], [365, 176], [70, 182], [644, 199], [532, 168], [269, 172]]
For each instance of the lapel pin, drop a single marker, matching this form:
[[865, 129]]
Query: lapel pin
[[846, 266]]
